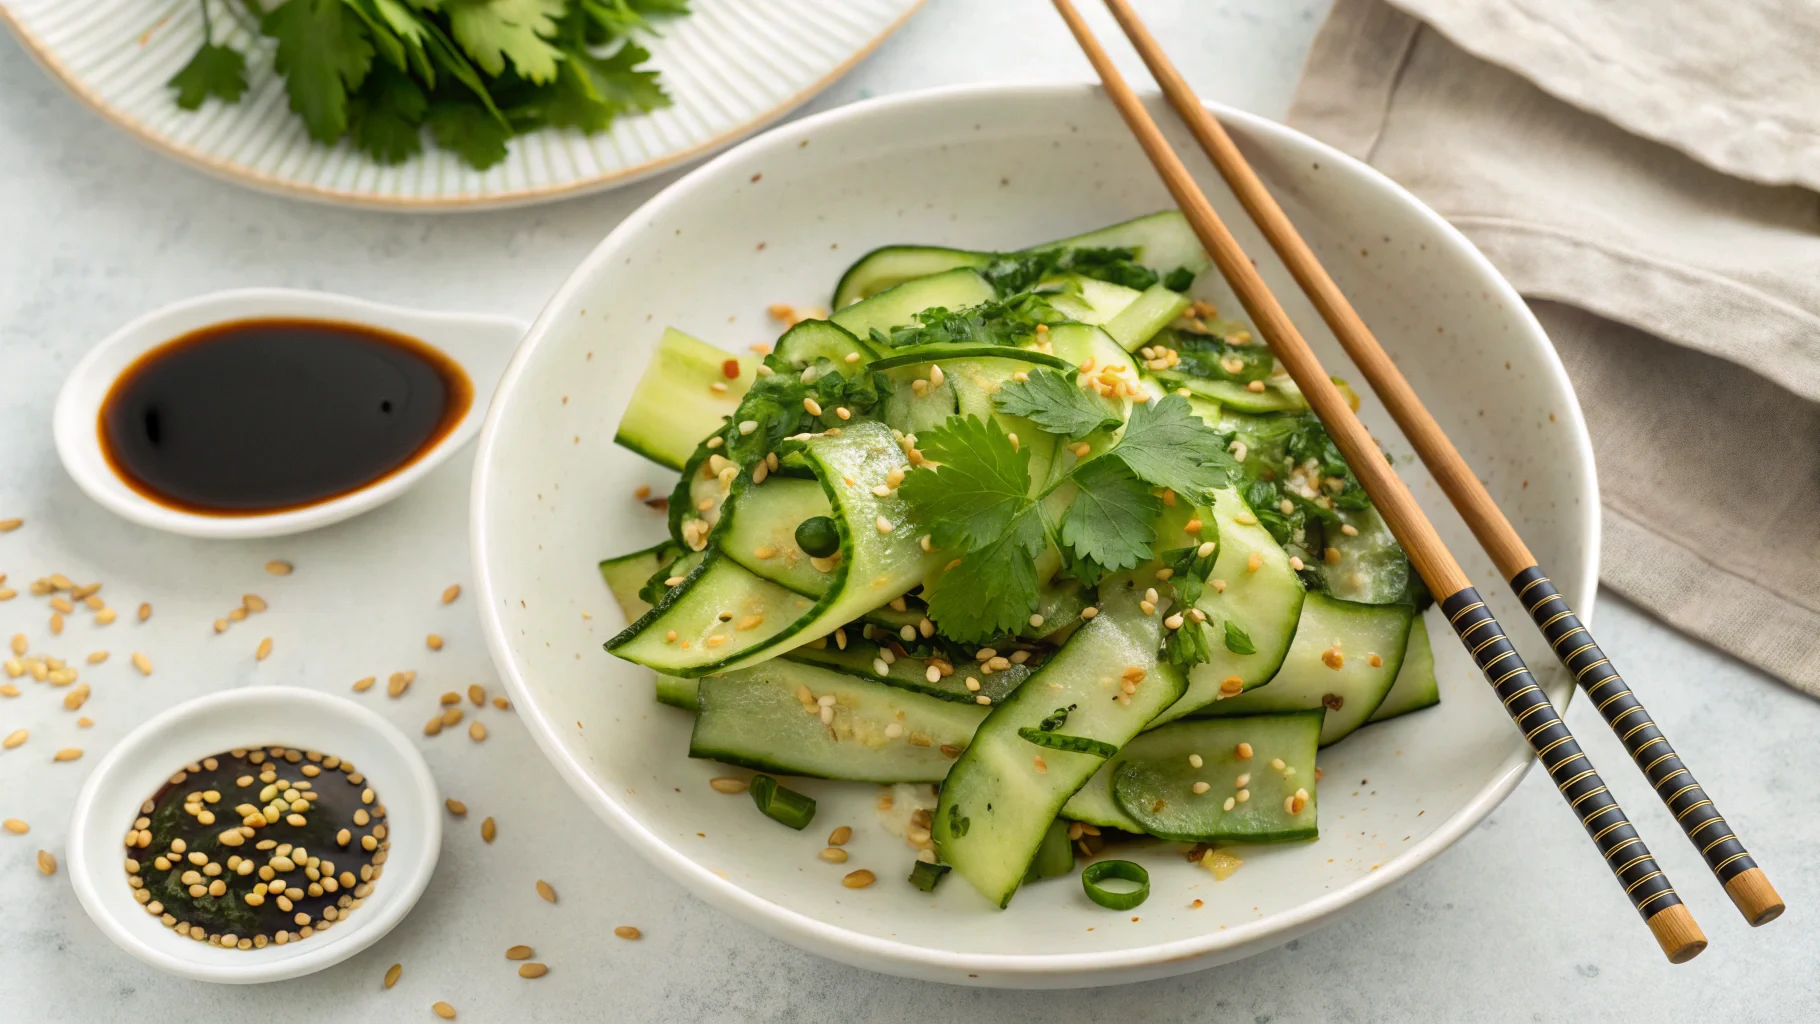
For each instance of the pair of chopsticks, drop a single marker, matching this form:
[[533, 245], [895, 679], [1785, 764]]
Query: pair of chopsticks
[[1530, 709]]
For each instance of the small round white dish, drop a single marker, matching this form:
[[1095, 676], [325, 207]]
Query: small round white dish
[[480, 345], [253, 717], [776, 221]]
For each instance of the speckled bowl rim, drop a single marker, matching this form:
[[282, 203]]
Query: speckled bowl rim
[[1018, 969], [406, 878]]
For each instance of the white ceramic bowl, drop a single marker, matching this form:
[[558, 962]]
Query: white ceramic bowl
[[254, 716], [480, 345], [776, 220]]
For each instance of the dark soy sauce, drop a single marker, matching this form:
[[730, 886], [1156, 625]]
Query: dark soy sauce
[[260, 416]]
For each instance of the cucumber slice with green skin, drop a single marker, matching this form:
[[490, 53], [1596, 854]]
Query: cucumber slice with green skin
[[810, 340], [892, 265], [674, 404], [1089, 300], [697, 486], [769, 717], [897, 306], [627, 575], [1330, 665], [996, 805], [1162, 241], [677, 691], [764, 523], [1054, 857], [1233, 395], [862, 659], [1266, 603], [892, 620], [1372, 568], [1415, 687], [1155, 309], [1153, 780], [764, 619], [920, 355]]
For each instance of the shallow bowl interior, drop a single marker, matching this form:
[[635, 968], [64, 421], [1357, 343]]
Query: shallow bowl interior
[[252, 717], [776, 220]]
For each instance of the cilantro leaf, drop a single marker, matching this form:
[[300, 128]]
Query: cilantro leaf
[[994, 588], [1014, 272], [1211, 357], [1188, 646], [385, 118], [470, 132], [1051, 400], [1166, 444], [775, 404], [620, 82], [1112, 521], [323, 54], [218, 71], [981, 489], [495, 31], [1179, 280], [1237, 640]]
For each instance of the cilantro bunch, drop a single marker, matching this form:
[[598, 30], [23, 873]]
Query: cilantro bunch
[[472, 73], [979, 500], [775, 405]]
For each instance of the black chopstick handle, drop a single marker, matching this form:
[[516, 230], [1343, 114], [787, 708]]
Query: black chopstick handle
[[1630, 721], [1541, 725]]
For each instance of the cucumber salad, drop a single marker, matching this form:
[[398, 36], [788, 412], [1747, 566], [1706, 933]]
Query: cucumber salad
[[1035, 528]]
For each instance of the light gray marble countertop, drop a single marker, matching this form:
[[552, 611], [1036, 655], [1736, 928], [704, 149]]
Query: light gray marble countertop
[[1518, 922]]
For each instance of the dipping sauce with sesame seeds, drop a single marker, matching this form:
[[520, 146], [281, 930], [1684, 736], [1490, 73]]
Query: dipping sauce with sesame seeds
[[256, 846], [258, 416]]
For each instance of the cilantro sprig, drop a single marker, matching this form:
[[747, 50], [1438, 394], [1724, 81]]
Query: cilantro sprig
[[471, 74], [980, 500]]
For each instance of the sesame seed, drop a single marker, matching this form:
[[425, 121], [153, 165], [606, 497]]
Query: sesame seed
[[15, 826], [858, 879], [1242, 795], [726, 784], [1228, 805], [443, 1010], [1089, 612], [545, 890], [47, 863], [1349, 530], [884, 525], [1194, 761], [1374, 661], [627, 932], [1036, 621], [1255, 562], [833, 855], [477, 731], [852, 357], [67, 754], [718, 387], [1147, 608], [1173, 621], [1295, 563], [433, 642], [1207, 548], [532, 970], [1243, 751], [982, 699], [264, 650], [1200, 787], [279, 568], [1256, 387], [1042, 766], [811, 406], [714, 442], [519, 953], [893, 730], [1013, 439], [9, 525], [488, 830]]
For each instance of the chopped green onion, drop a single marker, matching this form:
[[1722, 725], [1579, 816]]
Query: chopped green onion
[[1053, 855], [780, 804], [925, 876], [1120, 869], [1063, 741], [818, 537]]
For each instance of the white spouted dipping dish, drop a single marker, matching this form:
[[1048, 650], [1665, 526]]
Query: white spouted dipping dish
[[1000, 167]]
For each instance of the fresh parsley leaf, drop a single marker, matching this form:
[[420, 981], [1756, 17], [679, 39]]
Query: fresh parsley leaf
[[1179, 280], [981, 488], [1237, 640], [385, 118], [470, 132], [496, 31], [218, 71], [1112, 521], [324, 54], [1051, 400], [1166, 444], [994, 588]]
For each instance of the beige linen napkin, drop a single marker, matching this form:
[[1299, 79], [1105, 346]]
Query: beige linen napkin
[[1625, 163]]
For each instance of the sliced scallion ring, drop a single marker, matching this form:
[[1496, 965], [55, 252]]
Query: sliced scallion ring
[[1120, 869]]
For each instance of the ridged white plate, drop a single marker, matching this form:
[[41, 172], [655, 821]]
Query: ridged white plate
[[732, 66]]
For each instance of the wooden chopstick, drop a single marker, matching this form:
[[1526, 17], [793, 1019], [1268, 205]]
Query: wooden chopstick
[[1625, 853], [1724, 853]]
